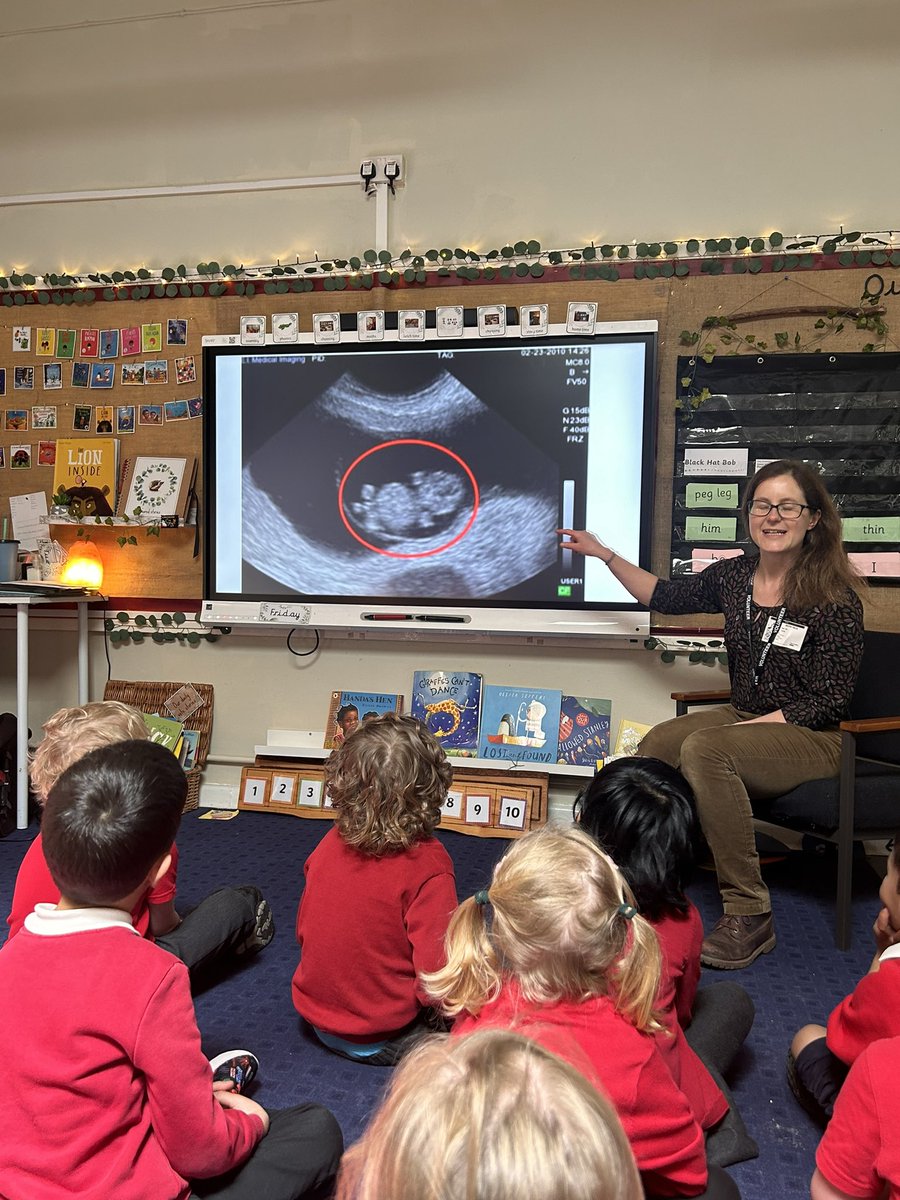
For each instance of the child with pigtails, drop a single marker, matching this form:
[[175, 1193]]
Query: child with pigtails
[[556, 950]]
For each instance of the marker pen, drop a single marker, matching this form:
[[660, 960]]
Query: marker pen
[[442, 620], [387, 617]]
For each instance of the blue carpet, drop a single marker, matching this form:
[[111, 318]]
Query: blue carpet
[[800, 981]]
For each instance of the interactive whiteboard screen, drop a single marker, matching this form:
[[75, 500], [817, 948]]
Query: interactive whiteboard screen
[[394, 482]]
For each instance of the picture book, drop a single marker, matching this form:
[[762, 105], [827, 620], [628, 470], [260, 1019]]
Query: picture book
[[347, 710], [448, 703], [583, 730], [159, 485], [629, 736], [165, 732], [190, 743], [87, 468], [520, 724]]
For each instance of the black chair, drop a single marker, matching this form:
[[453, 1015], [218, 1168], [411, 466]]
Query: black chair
[[863, 802]]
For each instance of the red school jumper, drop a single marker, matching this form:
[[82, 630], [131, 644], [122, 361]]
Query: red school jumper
[[367, 927], [860, 1151], [680, 938], [626, 1066], [34, 886], [870, 1012], [106, 1092]]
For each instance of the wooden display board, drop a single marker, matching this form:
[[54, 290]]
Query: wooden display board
[[166, 567], [495, 804]]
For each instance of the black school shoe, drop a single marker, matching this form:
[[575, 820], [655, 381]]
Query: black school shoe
[[264, 929], [737, 941], [240, 1066]]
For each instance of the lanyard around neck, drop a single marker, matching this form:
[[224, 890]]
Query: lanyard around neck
[[769, 633]]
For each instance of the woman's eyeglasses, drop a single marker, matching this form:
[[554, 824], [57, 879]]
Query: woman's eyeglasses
[[790, 510]]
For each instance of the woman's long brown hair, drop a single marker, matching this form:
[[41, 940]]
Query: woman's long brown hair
[[822, 574]]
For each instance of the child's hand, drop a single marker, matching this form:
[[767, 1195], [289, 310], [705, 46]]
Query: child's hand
[[242, 1103], [884, 932]]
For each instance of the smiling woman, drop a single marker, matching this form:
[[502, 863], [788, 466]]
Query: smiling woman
[[793, 631]]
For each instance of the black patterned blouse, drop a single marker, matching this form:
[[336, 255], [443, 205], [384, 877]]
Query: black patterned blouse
[[813, 685]]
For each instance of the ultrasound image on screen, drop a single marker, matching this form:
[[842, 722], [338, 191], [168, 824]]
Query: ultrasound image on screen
[[427, 493]]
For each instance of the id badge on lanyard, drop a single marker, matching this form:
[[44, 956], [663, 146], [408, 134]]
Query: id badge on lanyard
[[769, 634]]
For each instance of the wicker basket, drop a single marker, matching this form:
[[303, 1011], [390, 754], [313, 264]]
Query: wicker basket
[[151, 698]]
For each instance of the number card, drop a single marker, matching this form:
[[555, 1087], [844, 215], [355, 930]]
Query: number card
[[310, 793], [255, 789], [478, 809], [513, 812], [452, 806], [283, 788]]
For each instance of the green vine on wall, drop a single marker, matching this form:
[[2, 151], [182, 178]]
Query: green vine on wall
[[516, 260], [830, 321], [709, 652], [124, 629]]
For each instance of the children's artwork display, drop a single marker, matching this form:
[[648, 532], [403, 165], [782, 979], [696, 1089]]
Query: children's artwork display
[[448, 703], [520, 724]]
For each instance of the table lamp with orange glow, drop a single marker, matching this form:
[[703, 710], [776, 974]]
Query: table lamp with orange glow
[[84, 566]]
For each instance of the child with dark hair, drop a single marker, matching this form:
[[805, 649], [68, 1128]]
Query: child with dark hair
[[108, 1092], [641, 812], [820, 1057], [379, 893], [225, 926]]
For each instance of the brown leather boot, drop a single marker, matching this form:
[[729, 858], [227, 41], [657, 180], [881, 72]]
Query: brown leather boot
[[736, 941]]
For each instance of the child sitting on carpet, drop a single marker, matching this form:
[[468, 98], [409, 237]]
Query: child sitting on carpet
[[641, 812], [859, 1154], [820, 1057], [493, 1114], [230, 922], [568, 960], [379, 893], [106, 1090]]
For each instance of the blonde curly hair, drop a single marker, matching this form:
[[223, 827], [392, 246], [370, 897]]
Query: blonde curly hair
[[387, 783], [491, 1116], [73, 732]]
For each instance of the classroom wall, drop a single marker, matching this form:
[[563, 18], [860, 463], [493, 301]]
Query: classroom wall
[[594, 119], [589, 121]]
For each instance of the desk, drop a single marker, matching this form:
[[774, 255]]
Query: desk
[[23, 605]]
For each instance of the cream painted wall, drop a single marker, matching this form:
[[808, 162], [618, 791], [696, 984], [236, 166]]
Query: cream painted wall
[[566, 122]]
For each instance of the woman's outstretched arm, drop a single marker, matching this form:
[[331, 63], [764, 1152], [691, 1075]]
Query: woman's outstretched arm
[[640, 583]]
